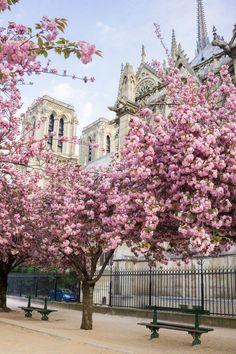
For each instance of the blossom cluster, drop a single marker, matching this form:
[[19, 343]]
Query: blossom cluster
[[3, 5], [80, 216], [181, 169], [50, 28], [16, 217], [86, 51]]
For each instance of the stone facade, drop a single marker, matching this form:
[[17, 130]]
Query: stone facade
[[102, 133], [59, 119]]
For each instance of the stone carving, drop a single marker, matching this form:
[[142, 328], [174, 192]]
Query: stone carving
[[220, 42], [145, 87], [117, 140]]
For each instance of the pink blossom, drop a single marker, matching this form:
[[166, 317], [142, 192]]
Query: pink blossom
[[86, 51], [3, 5]]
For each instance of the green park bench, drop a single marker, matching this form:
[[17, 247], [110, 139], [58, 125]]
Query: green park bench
[[45, 312], [195, 330]]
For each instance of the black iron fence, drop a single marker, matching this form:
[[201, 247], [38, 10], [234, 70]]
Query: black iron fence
[[39, 284], [211, 289]]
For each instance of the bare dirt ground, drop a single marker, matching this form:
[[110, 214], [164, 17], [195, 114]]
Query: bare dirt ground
[[111, 335]]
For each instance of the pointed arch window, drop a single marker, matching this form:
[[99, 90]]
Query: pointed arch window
[[50, 130], [108, 144], [60, 134], [89, 149]]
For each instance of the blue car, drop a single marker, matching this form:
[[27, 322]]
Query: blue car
[[62, 295]]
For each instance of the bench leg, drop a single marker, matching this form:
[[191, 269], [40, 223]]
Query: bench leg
[[28, 314], [196, 338], [154, 333], [44, 317]]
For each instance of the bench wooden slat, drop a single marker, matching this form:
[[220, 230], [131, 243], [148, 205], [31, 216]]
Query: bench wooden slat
[[180, 327], [29, 308], [174, 309], [33, 308], [173, 324]]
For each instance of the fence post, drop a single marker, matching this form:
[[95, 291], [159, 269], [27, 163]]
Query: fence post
[[20, 286], [202, 285], [150, 287], [110, 287], [36, 286]]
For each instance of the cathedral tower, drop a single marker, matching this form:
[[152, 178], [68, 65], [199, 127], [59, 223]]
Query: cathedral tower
[[59, 122]]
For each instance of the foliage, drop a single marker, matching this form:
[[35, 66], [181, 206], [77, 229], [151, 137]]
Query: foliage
[[79, 221], [17, 228]]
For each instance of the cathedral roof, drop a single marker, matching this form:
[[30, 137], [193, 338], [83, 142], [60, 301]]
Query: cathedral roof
[[204, 54], [146, 66], [97, 122], [103, 161], [56, 101]]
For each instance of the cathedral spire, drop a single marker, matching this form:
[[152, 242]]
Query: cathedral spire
[[121, 78], [143, 55], [173, 45], [203, 39]]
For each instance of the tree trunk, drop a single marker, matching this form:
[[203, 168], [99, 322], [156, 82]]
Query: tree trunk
[[87, 290], [3, 291]]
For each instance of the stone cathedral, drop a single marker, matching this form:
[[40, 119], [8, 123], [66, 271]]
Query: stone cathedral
[[142, 87]]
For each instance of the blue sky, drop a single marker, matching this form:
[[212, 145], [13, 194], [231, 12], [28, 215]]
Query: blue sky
[[118, 29]]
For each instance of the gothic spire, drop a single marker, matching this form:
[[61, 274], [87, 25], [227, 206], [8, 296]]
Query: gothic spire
[[121, 78], [173, 45], [143, 55], [203, 39]]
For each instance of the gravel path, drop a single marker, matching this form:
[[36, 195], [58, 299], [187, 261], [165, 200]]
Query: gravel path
[[111, 335]]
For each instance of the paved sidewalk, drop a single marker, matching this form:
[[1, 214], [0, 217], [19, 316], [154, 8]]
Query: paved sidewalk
[[111, 335]]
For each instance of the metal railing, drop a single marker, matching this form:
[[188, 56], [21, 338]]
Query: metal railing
[[210, 289]]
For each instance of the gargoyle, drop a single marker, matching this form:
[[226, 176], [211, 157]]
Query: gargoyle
[[220, 42]]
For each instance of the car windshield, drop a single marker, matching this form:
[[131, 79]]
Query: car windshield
[[67, 291]]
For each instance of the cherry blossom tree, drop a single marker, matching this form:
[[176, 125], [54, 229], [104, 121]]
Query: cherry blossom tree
[[16, 226], [20, 50], [178, 172], [80, 224]]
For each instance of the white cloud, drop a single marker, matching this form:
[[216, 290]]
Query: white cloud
[[87, 110], [63, 92], [103, 27], [86, 115]]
